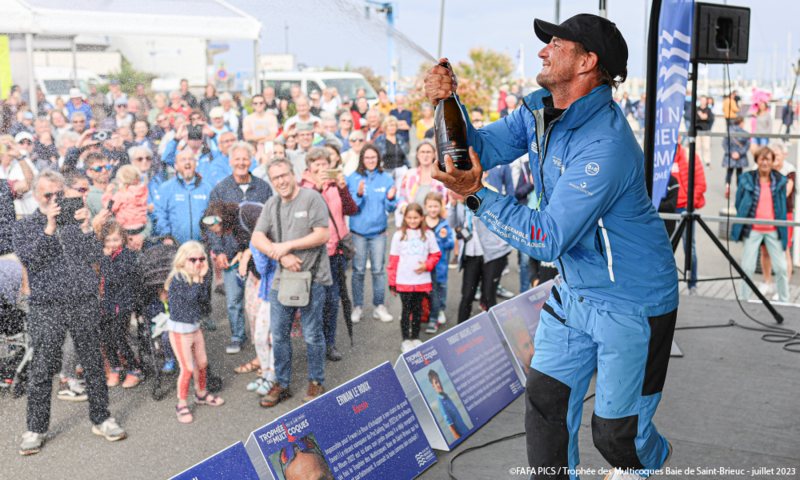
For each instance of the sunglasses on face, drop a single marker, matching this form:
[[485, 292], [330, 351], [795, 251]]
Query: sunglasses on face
[[289, 452], [80, 190], [357, 140], [143, 159], [259, 103], [197, 259], [78, 121], [49, 196], [122, 106], [25, 142], [99, 168]]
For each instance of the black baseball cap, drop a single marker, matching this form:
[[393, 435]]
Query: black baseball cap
[[598, 35]]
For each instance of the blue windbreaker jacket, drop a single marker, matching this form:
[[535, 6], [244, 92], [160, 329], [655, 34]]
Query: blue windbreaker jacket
[[372, 207], [445, 245], [595, 219], [180, 207]]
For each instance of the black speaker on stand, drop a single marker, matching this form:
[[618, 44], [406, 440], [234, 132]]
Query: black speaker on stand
[[721, 35]]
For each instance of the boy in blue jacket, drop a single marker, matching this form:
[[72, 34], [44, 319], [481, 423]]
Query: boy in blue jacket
[[444, 237]]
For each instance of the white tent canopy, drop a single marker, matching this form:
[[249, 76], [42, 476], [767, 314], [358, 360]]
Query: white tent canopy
[[207, 19], [181, 18]]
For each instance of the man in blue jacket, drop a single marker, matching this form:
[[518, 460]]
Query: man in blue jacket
[[181, 200], [615, 310]]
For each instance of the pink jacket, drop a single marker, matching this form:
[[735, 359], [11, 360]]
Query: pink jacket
[[410, 185], [339, 202], [130, 206]]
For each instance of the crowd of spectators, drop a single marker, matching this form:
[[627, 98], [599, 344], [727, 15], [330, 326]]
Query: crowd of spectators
[[260, 203]]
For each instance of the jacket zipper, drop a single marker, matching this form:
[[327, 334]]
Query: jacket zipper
[[541, 170]]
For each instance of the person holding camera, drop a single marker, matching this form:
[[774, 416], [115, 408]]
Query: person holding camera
[[58, 247]]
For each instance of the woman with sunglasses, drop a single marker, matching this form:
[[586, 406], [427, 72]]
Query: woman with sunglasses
[[345, 127], [188, 289], [19, 173]]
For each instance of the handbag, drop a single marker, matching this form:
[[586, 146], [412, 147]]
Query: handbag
[[346, 245], [295, 287]]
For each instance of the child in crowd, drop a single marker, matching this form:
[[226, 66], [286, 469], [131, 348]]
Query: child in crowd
[[187, 289], [159, 305], [129, 202], [413, 255], [261, 331], [118, 287], [444, 237]]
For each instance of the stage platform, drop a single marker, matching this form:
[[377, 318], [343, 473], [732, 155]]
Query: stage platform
[[731, 402]]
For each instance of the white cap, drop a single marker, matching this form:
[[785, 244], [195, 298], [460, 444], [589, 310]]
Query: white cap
[[76, 93]]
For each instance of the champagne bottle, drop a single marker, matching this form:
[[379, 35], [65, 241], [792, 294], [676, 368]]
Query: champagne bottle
[[450, 127]]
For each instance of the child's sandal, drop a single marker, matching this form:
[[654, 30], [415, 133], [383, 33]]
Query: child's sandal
[[184, 414], [208, 399]]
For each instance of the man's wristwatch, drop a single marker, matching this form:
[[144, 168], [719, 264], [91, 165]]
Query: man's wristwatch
[[473, 200]]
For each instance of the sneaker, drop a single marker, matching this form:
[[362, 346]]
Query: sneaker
[[315, 389], [693, 291], [416, 343], [234, 348], [169, 366], [31, 443], [355, 317], [502, 292], [265, 387], [380, 313], [775, 297], [110, 430], [113, 377], [478, 294], [208, 324], [133, 378], [252, 386], [442, 319], [618, 474], [406, 346], [333, 354], [72, 391], [432, 329], [276, 395], [764, 288]]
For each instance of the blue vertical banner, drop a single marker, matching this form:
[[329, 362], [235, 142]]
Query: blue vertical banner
[[675, 35]]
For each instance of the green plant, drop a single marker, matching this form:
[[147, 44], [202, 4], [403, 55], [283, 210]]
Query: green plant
[[128, 78]]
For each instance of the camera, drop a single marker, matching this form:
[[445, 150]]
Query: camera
[[101, 135]]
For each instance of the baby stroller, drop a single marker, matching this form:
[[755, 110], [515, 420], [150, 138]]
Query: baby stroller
[[15, 344], [155, 265]]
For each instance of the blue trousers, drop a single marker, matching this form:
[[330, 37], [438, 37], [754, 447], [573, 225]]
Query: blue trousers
[[311, 318], [375, 250], [234, 299], [630, 354], [524, 272]]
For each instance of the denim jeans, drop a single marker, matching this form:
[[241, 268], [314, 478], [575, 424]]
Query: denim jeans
[[439, 292], [330, 311], [524, 272], [311, 318], [686, 252], [375, 250], [234, 298], [751, 249]]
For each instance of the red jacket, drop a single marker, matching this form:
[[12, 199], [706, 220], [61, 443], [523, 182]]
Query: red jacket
[[681, 171]]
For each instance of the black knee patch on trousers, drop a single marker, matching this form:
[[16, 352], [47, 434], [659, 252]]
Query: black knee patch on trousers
[[546, 406], [662, 329], [614, 438]]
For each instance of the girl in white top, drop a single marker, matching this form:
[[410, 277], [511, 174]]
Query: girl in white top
[[413, 255]]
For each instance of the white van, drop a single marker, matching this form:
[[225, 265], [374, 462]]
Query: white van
[[56, 81], [347, 83]]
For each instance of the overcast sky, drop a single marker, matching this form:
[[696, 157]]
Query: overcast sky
[[334, 32]]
